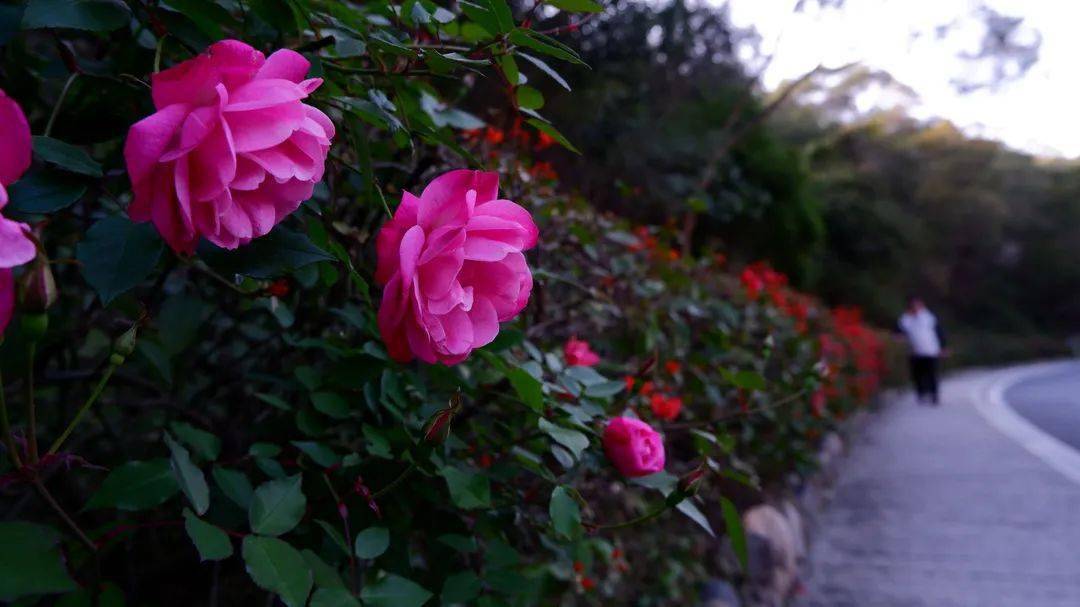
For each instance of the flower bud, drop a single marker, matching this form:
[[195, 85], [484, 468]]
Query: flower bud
[[125, 344], [38, 287], [691, 481], [438, 427]]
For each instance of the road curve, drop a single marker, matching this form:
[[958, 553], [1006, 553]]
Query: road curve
[[969, 504]]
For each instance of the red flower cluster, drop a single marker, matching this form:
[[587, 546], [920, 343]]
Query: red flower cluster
[[758, 278], [664, 405], [860, 347]]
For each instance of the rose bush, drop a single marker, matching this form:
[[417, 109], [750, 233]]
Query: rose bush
[[207, 401]]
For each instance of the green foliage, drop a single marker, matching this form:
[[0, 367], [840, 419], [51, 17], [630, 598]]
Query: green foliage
[[30, 561]]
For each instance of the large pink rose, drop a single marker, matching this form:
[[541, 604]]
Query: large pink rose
[[452, 268], [232, 149], [633, 447], [16, 248]]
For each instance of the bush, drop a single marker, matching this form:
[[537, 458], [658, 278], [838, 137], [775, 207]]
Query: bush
[[204, 406]]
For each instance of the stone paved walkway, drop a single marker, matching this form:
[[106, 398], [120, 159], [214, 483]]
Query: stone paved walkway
[[936, 508]]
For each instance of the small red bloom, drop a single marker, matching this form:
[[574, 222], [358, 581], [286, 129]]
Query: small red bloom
[[544, 141], [579, 567], [665, 407], [673, 367], [587, 584], [616, 553], [647, 388], [578, 354], [484, 461], [494, 136], [278, 288], [629, 380]]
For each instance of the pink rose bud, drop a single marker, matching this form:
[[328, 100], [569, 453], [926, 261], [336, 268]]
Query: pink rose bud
[[452, 268], [232, 148], [438, 427], [690, 482], [38, 287], [633, 447], [578, 354]]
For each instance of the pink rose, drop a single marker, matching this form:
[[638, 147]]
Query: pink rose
[[578, 354], [16, 248], [232, 149], [452, 268], [633, 447]]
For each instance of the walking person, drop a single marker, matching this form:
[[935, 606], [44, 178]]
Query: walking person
[[925, 344]]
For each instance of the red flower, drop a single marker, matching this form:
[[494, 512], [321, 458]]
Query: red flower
[[751, 282], [578, 354], [665, 407], [485, 461], [579, 567], [587, 584], [494, 136], [544, 141], [543, 170], [647, 388], [673, 367], [278, 288], [629, 379]]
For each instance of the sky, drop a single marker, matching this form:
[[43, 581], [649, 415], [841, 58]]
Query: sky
[[1036, 112]]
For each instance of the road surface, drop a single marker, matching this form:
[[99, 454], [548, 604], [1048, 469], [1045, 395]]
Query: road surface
[[966, 505]]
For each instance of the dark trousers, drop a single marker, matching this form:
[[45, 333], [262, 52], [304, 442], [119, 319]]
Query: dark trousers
[[924, 373]]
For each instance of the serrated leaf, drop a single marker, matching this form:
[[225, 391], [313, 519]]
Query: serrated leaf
[[574, 441], [333, 597], [188, 476], [276, 566], [31, 562], [212, 543], [117, 254], [394, 591], [91, 15], [235, 485], [66, 156], [277, 506], [372, 542], [468, 489], [136, 485], [565, 513], [527, 387]]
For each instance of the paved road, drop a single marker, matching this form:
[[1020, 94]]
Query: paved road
[[934, 507], [1051, 401]]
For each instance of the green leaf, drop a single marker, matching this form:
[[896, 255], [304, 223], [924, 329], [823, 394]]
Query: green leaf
[[278, 506], [30, 561], [544, 44], [605, 389], [334, 535], [136, 485], [206, 445], [278, 567], [577, 6], [565, 513], [207, 15], [529, 98], [547, 69], [372, 542], [553, 133], [117, 254], [277, 253], [735, 530], [748, 380], [691, 510], [45, 190], [179, 321], [212, 543], [318, 452], [188, 476], [527, 387], [468, 489], [66, 156], [573, 440], [394, 591], [333, 597], [92, 15], [235, 485], [274, 401], [328, 403], [460, 588], [325, 575]]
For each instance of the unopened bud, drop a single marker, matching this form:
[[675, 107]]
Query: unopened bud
[[438, 427], [691, 481], [38, 287], [125, 344]]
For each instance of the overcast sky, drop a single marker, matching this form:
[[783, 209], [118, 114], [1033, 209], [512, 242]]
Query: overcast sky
[[1037, 112]]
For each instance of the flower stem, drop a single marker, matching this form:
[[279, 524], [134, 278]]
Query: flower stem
[[59, 102], [394, 483], [31, 408], [45, 495], [635, 521], [5, 426], [98, 389]]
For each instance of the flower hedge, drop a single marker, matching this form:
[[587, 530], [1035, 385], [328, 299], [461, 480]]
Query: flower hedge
[[207, 400]]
